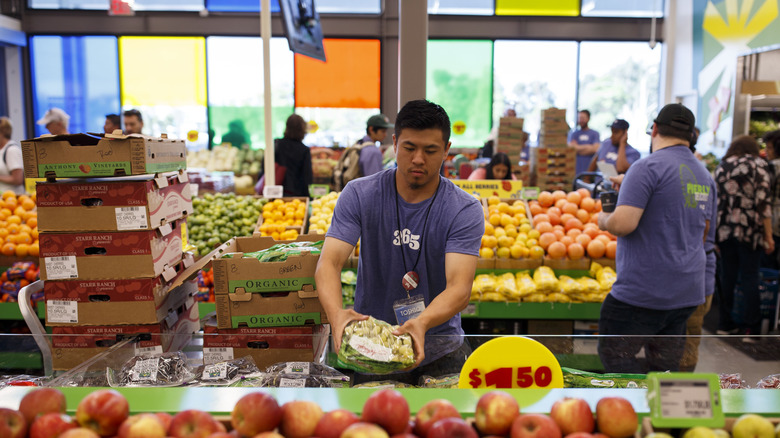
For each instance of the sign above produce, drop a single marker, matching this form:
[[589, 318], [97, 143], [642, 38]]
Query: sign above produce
[[491, 187], [685, 400]]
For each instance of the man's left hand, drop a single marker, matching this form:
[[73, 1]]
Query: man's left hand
[[624, 139], [416, 329]]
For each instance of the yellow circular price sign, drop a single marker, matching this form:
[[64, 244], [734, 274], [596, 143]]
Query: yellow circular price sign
[[511, 362], [192, 135], [459, 127], [312, 127]]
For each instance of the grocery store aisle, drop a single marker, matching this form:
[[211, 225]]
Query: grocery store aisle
[[717, 355]]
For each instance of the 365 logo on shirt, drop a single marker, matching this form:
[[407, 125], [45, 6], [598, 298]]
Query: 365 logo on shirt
[[405, 237]]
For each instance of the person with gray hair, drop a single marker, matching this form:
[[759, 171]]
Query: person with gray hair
[[56, 121], [11, 164]]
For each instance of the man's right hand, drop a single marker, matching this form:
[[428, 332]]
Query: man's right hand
[[340, 321]]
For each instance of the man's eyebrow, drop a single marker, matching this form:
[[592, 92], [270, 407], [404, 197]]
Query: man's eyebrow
[[410, 143]]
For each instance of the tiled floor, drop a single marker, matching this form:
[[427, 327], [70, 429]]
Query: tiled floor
[[717, 356]]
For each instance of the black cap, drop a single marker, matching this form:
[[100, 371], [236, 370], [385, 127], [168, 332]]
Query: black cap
[[619, 124], [677, 116]]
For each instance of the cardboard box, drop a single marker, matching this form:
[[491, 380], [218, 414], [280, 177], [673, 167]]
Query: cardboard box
[[282, 309], [120, 204], [561, 344], [73, 345], [518, 263], [267, 346], [106, 255], [582, 264], [93, 155]]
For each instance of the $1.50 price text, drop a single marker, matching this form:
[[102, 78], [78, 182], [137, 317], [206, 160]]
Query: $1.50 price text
[[507, 377]]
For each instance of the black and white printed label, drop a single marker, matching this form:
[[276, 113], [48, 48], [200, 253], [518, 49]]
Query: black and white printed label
[[217, 371], [61, 268], [131, 218], [63, 312], [297, 368], [215, 355], [685, 399], [149, 351], [145, 370], [292, 383]]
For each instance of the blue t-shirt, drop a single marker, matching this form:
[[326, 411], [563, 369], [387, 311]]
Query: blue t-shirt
[[661, 264], [370, 161], [608, 152], [367, 211], [584, 136]]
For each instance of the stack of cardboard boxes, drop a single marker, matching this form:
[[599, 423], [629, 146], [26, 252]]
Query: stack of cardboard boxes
[[511, 141], [553, 162], [268, 310], [111, 242]]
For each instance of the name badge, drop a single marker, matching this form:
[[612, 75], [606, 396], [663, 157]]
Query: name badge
[[408, 308]]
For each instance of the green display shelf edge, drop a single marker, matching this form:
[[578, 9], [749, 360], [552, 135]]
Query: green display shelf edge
[[206, 308], [10, 311], [220, 401], [15, 360], [568, 311]]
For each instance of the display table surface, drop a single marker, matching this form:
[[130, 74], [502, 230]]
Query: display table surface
[[220, 401]]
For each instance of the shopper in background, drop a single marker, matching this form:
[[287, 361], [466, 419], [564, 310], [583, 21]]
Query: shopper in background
[[744, 231], [290, 152], [134, 122], [419, 233], [11, 164], [372, 157], [615, 150], [772, 141], [585, 140], [499, 167], [113, 122], [236, 135], [661, 221], [56, 121]]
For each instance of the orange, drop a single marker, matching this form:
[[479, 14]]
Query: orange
[[24, 228], [32, 222], [34, 250], [544, 227], [576, 251], [536, 252], [592, 232], [22, 250], [555, 219], [12, 228], [603, 238], [556, 250], [561, 202], [565, 218], [8, 194], [573, 223], [20, 211], [582, 215], [573, 232], [554, 210], [14, 219], [597, 207], [596, 249], [541, 217], [11, 203], [535, 209], [546, 239], [584, 193], [570, 208], [34, 233], [558, 195], [546, 199], [3, 233], [8, 249], [611, 249], [566, 240], [5, 212], [574, 198], [583, 239], [23, 238], [588, 204]]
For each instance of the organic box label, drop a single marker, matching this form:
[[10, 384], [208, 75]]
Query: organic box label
[[278, 320], [85, 169], [270, 284]]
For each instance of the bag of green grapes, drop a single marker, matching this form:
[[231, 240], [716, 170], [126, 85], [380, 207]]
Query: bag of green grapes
[[369, 346]]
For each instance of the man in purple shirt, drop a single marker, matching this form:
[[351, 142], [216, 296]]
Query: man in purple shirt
[[585, 141], [615, 150], [371, 156]]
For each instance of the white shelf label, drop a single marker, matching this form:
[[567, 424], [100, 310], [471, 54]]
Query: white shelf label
[[215, 355], [61, 268], [292, 383], [297, 368], [685, 399], [149, 351], [216, 371], [63, 312], [131, 218], [145, 370]]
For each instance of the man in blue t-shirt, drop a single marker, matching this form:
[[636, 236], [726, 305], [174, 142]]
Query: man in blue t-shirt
[[408, 220], [585, 141], [371, 157], [615, 150], [661, 220]]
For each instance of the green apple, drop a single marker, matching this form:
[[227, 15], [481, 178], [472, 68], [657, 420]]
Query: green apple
[[699, 432], [753, 426], [659, 435], [777, 430], [720, 433]]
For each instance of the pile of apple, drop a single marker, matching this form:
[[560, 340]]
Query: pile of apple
[[567, 224], [508, 232], [385, 414]]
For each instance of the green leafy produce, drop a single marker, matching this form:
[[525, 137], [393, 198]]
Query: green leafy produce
[[220, 217], [582, 379], [369, 346], [280, 251], [348, 283]]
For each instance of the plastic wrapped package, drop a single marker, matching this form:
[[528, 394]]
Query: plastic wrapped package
[[381, 384], [535, 298], [300, 370], [573, 378], [162, 370], [445, 381], [369, 346], [280, 251], [568, 285], [507, 286], [606, 278], [769, 382], [483, 283], [225, 373], [545, 280], [492, 297], [732, 381], [557, 297], [589, 285], [525, 284]]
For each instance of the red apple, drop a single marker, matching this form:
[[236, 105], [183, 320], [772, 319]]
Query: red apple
[[389, 409], [269, 435], [166, 419], [534, 426], [222, 435], [452, 428], [579, 435], [616, 417], [334, 422], [300, 418], [405, 435], [254, 413], [364, 430], [193, 423], [103, 411], [572, 415], [495, 413], [12, 424], [41, 401], [142, 426], [432, 412], [51, 425], [79, 432], [601, 435]]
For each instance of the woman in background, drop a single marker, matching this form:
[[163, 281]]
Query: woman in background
[[295, 156], [499, 168]]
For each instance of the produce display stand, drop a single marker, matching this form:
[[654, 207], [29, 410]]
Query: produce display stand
[[515, 310]]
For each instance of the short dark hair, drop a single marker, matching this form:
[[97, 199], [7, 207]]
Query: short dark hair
[[114, 118], [499, 158], [423, 114], [669, 131], [586, 112], [772, 139], [743, 145], [295, 128], [133, 112]]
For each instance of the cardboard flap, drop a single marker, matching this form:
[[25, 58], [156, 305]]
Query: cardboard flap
[[192, 270], [116, 134], [187, 259], [308, 292], [165, 229], [161, 180], [73, 139], [240, 295], [183, 177], [169, 273]]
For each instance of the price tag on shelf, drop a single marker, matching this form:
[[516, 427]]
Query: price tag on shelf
[[272, 192], [511, 362], [685, 400]]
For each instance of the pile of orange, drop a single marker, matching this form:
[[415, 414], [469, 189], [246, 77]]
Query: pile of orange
[[508, 231], [568, 226], [18, 225]]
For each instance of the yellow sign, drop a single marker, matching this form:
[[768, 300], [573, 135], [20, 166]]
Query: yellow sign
[[459, 127], [312, 126], [192, 135], [503, 188], [511, 362]]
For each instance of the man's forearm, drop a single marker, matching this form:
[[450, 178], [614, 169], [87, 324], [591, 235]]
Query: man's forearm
[[621, 164], [445, 306], [328, 280]]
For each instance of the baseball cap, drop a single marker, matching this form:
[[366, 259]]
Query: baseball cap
[[619, 124], [677, 116], [54, 115], [379, 121]]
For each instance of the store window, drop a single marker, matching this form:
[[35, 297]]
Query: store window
[[620, 80], [165, 79], [570, 8], [460, 7], [459, 79], [623, 8], [239, 5], [77, 74], [138, 5], [341, 94], [529, 87], [235, 80]]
